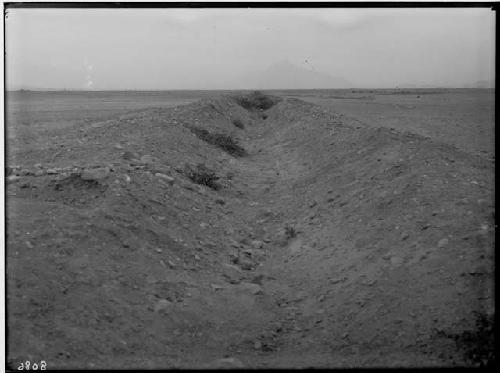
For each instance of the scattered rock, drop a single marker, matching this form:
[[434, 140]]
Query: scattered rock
[[395, 261], [96, 174], [228, 362], [130, 156], [258, 279], [168, 179], [245, 263], [404, 235], [234, 243], [171, 264], [257, 345], [231, 273], [257, 244], [252, 288], [337, 280], [216, 287], [51, 171], [13, 178], [39, 173], [25, 172], [443, 242], [162, 305], [147, 159]]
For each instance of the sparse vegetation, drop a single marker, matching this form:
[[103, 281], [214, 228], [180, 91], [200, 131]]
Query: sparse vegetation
[[257, 100], [225, 142], [290, 232], [202, 175], [238, 123]]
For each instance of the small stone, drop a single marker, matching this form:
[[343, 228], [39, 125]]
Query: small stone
[[257, 345], [258, 279], [404, 235], [197, 257], [171, 264], [168, 179], [25, 172], [130, 156], [203, 225], [245, 264], [162, 305], [118, 146], [231, 273], [158, 250], [396, 261], [345, 335], [334, 281], [13, 178], [39, 173], [51, 171], [95, 174], [29, 245], [38, 165], [216, 287], [234, 243], [228, 362], [147, 159], [443, 242], [257, 244], [255, 289]]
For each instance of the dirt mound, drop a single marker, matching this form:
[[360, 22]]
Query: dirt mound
[[329, 244]]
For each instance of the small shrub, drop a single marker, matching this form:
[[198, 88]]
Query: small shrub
[[256, 100], [238, 123], [225, 142], [290, 232], [202, 175]]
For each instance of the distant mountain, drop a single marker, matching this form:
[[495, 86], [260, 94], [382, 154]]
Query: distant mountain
[[484, 84], [285, 75]]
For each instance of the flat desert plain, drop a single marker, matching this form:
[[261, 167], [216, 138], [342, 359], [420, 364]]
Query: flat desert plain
[[286, 229]]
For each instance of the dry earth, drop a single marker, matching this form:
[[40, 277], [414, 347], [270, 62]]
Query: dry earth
[[329, 244]]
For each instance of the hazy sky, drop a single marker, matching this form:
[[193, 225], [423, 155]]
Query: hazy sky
[[212, 48]]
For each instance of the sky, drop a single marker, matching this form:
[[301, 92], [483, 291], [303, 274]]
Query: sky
[[106, 49]]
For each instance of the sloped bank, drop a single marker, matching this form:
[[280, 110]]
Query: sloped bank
[[324, 245]]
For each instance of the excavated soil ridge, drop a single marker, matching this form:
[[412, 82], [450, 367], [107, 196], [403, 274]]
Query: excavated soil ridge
[[327, 244]]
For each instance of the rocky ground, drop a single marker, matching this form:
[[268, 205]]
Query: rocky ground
[[141, 242]]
